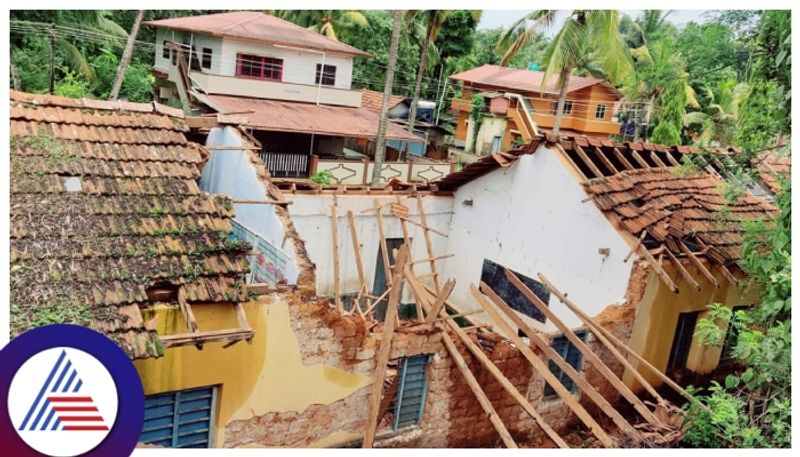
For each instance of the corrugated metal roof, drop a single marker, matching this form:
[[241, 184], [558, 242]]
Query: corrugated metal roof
[[284, 116], [372, 100], [258, 27], [524, 80]]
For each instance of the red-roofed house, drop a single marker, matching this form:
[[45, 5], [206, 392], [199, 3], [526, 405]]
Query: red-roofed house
[[291, 86]]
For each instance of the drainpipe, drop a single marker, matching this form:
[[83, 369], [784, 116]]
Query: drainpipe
[[322, 69], [321, 72]]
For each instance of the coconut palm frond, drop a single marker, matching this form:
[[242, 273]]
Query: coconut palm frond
[[641, 54], [520, 33], [562, 52], [77, 61], [328, 30], [691, 97], [695, 117], [608, 49], [355, 18]]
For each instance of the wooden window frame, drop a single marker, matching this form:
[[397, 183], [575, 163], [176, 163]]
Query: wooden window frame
[[328, 79], [274, 74], [207, 56], [568, 106], [597, 111], [678, 360]]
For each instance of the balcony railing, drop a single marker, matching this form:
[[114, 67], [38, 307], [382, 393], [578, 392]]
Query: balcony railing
[[285, 165]]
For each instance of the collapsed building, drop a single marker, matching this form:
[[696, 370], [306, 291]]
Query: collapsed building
[[533, 294]]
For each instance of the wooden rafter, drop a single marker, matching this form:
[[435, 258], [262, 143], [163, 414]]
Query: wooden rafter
[[440, 300], [554, 357], [384, 249], [624, 160], [588, 162], [606, 162], [657, 159], [543, 370], [682, 270], [362, 277], [636, 246], [660, 271], [697, 262], [599, 365], [572, 164], [428, 245], [643, 163]]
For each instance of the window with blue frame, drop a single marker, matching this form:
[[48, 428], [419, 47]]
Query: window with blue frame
[[182, 419], [572, 355], [409, 403], [494, 275]]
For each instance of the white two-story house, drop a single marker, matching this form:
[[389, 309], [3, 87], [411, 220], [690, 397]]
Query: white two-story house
[[292, 87]]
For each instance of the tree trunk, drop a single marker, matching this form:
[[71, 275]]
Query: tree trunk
[[380, 145], [562, 96], [126, 56], [14, 74], [423, 60], [52, 83]]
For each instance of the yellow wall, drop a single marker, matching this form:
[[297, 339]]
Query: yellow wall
[[265, 376], [657, 318]]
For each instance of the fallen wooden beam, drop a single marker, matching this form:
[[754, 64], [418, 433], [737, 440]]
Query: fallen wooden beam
[[261, 202], [440, 299], [636, 246], [440, 257], [601, 336], [386, 342], [543, 370], [553, 356], [184, 339], [362, 278], [337, 294], [585, 350], [577, 310], [384, 249], [428, 245]]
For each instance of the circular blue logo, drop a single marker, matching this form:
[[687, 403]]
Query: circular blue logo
[[69, 391]]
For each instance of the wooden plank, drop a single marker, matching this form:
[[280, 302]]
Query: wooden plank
[[507, 385], [621, 157], [636, 246], [605, 341], [543, 370], [428, 245], [588, 162], [600, 329], [201, 122], [422, 226], [435, 259], [697, 262], [475, 386], [384, 248], [407, 240], [337, 293], [660, 271], [186, 310], [362, 278], [440, 299], [572, 164], [375, 303], [199, 338], [682, 270], [585, 350], [586, 388], [606, 162], [639, 159], [657, 159], [261, 202], [386, 343], [672, 160], [728, 275]]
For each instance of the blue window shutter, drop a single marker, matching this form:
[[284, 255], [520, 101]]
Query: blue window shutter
[[182, 419], [573, 357], [411, 392]]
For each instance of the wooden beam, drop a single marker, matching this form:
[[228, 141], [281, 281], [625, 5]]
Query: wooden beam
[[186, 311], [437, 258], [384, 249], [621, 157], [697, 262], [660, 271], [337, 293], [657, 159], [199, 338], [543, 370], [588, 162], [231, 148], [639, 159], [407, 240], [475, 386], [428, 245], [603, 339], [577, 310], [572, 164], [672, 160], [586, 388], [362, 278], [385, 349], [682, 270], [507, 385], [636, 246], [728, 275], [440, 300], [261, 202], [606, 162], [585, 350], [422, 226], [201, 122]]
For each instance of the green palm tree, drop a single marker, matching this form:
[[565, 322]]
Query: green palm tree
[[331, 23], [718, 120], [586, 36], [434, 20]]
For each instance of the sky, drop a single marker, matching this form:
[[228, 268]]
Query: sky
[[503, 18]]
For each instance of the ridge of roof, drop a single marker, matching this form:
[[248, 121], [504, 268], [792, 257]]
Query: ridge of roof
[[524, 80], [216, 25], [88, 103]]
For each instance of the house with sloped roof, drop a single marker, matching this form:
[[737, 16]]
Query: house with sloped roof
[[519, 105], [292, 87]]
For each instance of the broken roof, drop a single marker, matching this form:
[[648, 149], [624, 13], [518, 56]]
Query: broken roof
[[372, 100], [773, 166], [300, 117], [104, 205], [525, 80], [259, 28]]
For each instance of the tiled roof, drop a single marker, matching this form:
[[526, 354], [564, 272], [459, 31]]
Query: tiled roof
[[524, 80], [284, 116], [104, 205], [672, 207], [257, 27], [772, 166], [372, 100]]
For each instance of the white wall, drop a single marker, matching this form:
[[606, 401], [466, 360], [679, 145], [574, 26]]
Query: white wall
[[200, 42], [491, 126], [230, 172], [530, 218], [299, 67], [311, 215]]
